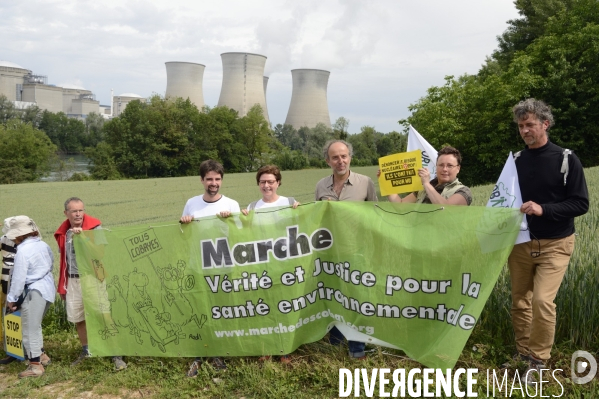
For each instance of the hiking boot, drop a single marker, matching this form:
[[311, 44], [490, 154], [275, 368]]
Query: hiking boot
[[34, 370], [516, 360], [218, 363], [532, 373], [193, 369], [45, 359], [82, 356], [7, 360], [119, 363]]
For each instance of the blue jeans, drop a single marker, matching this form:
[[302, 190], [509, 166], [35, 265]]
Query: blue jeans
[[356, 349]]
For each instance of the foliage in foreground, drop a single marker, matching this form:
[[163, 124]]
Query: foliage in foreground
[[27, 153]]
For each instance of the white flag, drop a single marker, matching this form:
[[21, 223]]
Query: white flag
[[429, 154], [506, 194]]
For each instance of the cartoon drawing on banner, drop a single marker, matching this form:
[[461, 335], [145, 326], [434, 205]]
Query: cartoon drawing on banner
[[174, 301], [110, 328], [118, 302], [125, 302], [137, 297]]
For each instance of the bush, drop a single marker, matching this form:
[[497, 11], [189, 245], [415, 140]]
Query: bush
[[80, 176]]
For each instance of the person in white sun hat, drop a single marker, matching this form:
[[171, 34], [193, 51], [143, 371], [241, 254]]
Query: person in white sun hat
[[32, 287]]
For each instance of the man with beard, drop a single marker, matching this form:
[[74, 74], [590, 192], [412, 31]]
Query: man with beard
[[211, 203], [554, 192]]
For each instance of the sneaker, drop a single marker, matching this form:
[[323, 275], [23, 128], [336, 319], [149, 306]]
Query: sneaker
[[7, 360], [45, 359], [119, 363], [82, 357], [34, 370], [218, 363], [517, 359], [193, 369], [532, 373]]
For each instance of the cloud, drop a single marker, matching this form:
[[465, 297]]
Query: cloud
[[382, 55]]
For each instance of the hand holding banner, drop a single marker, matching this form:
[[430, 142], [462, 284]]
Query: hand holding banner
[[399, 173]]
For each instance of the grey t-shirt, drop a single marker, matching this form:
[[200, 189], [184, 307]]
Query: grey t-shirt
[[70, 249], [356, 188]]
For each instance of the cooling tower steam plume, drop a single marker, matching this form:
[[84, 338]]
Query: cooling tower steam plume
[[184, 79], [243, 82], [309, 105]]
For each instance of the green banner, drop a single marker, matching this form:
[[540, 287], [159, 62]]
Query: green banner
[[408, 276]]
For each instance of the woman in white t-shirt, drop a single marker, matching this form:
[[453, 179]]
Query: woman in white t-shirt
[[269, 180]]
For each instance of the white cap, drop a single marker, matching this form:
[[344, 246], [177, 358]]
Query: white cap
[[19, 226]]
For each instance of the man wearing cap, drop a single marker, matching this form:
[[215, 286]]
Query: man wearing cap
[[69, 284], [344, 185]]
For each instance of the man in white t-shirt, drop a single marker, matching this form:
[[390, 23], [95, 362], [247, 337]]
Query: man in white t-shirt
[[211, 203]]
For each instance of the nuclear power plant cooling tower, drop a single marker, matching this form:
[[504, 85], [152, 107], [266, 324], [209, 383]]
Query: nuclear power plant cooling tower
[[309, 105], [243, 83], [184, 79]]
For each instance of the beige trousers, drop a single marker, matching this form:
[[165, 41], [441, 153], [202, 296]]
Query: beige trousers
[[536, 276]]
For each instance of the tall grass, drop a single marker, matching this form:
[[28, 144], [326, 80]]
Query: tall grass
[[314, 372], [130, 202]]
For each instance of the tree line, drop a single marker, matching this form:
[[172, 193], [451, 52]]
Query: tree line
[[170, 137], [550, 53], [32, 139]]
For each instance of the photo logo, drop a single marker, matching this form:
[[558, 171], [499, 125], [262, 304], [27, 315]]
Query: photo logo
[[581, 366]]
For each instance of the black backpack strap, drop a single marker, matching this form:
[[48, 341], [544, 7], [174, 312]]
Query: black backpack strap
[[516, 155], [565, 165]]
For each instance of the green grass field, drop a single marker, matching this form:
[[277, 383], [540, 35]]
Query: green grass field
[[315, 369]]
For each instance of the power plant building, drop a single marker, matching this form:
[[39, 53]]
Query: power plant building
[[78, 102], [12, 77], [185, 80], [243, 82], [309, 105], [46, 97], [24, 89], [119, 103]]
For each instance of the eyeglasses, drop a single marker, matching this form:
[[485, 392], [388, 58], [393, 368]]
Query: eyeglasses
[[269, 182], [448, 166], [534, 241]]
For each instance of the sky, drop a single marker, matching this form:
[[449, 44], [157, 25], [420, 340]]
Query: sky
[[383, 55]]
